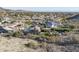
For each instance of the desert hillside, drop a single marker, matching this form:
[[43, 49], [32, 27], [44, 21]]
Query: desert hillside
[[28, 31]]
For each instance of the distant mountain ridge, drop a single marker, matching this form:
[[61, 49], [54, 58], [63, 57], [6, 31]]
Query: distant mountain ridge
[[10, 10]]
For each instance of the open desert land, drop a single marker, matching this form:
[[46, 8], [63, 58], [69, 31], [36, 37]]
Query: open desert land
[[28, 31]]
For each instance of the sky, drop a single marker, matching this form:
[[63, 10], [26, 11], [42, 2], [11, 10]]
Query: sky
[[46, 9]]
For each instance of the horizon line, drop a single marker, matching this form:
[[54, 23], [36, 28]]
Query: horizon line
[[45, 9]]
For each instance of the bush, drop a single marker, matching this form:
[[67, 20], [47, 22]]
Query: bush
[[17, 34], [47, 34], [71, 27], [32, 44], [0, 20], [43, 45], [29, 22], [61, 29]]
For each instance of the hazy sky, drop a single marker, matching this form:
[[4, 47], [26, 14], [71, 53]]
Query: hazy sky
[[46, 9]]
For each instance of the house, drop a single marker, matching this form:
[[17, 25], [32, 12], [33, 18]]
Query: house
[[33, 30], [2, 30], [13, 27], [52, 24], [8, 28]]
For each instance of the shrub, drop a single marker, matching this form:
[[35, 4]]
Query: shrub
[[17, 34], [71, 27], [32, 44], [61, 29], [0, 20], [47, 34], [43, 44]]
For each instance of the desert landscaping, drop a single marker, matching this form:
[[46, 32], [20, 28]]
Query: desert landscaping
[[27, 31]]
